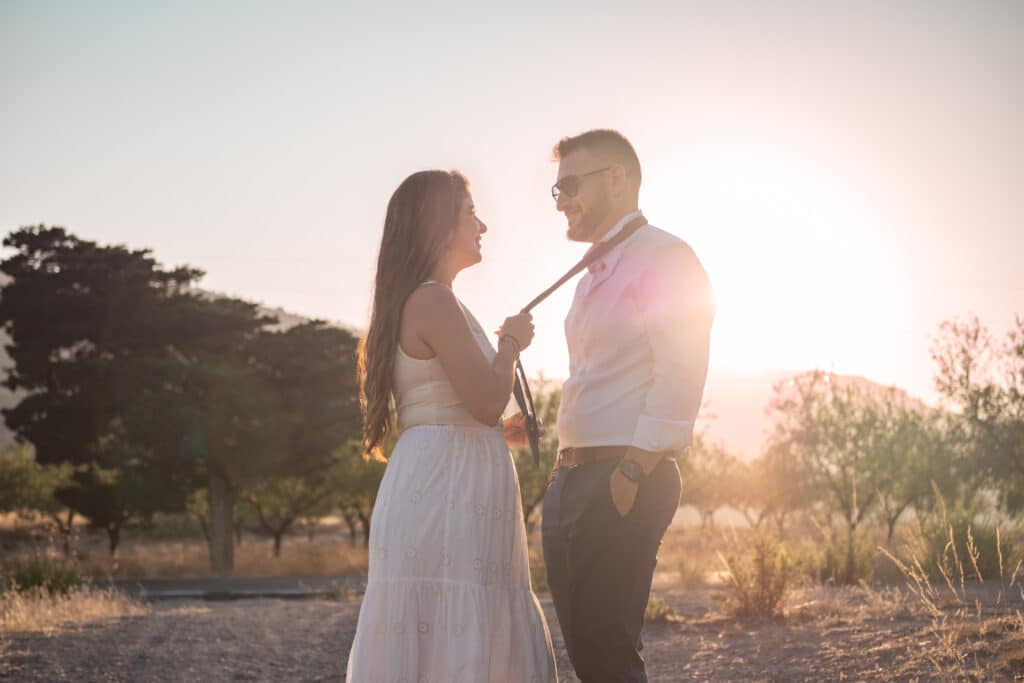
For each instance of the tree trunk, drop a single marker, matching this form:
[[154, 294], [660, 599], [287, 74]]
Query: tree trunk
[[66, 530], [891, 529], [529, 510], [222, 509], [365, 520], [780, 524], [707, 520], [350, 521], [278, 535], [114, 536], [850, 560], [204, 527]]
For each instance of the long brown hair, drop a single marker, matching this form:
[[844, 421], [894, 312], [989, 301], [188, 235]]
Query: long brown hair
[[421, 218]]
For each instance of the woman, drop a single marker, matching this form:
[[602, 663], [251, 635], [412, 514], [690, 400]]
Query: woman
[[448, 597]]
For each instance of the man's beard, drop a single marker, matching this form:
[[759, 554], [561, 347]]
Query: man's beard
[[590, 220]]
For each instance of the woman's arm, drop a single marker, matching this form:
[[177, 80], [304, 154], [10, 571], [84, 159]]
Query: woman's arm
[[434, 316]]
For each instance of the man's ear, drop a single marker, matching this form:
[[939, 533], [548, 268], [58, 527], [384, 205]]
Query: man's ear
[[618, 182]]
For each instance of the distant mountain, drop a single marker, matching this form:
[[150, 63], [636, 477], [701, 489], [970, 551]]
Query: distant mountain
[[735, 410], [736, 405]]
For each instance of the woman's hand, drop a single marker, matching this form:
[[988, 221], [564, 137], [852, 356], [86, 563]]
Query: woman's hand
[[520, 328], [514, 429]]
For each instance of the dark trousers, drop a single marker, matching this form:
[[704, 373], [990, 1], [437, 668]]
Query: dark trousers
[[600, 565]]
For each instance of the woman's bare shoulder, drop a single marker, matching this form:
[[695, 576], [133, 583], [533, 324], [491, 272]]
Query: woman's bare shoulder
[[430, 297]]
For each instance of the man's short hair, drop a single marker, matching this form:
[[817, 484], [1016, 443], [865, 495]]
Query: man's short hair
[[610, 145]]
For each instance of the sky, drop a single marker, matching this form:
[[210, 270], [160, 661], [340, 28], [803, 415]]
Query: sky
[[850, 174]]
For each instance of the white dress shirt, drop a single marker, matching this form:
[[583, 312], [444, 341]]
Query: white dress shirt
[[638, 334]]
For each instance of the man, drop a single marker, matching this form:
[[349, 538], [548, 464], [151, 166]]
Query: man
[[638, 335]]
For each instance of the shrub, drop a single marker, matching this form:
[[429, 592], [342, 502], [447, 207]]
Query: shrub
[[757, 581], [836, 559], [847, 558], [959, 543], [538, 572], [691, 573], [41, 572], [35, 610], [964, 626], [658, 611]]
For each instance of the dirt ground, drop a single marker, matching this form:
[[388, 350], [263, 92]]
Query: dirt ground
[[827, 639]]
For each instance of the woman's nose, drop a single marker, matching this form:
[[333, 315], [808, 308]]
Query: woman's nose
[[483, 226]]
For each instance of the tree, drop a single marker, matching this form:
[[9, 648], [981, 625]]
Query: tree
[[356, 479], [832, 428], [913, 460], [279, 502], [206, 415], [310, 369], [75, 312], [28, 488], [770, 487], [983, 382], [709, 479], [238, 436]]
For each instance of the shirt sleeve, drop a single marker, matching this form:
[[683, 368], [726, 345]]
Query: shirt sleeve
[[677, 307]]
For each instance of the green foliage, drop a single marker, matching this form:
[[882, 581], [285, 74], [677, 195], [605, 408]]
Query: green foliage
[[532, 479], [773, 486], [57, 578], [85, 320], [538, 574], [983, 380], [829, 430], [658, 611], [27, 486], [691, 573], [961, 542], [756, 581], [843, 558], [354, 481], [150, 390], [712, 478]]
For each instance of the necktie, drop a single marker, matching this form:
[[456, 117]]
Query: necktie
[[521, 388]]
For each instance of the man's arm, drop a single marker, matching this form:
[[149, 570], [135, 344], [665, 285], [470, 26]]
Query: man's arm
[[678, 308]]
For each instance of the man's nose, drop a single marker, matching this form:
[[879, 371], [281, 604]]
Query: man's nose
[[561, 202]]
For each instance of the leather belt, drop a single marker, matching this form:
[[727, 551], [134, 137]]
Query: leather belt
[[584, 455], [571, 457]]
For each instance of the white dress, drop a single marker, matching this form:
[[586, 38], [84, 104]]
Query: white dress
[[448, 598]]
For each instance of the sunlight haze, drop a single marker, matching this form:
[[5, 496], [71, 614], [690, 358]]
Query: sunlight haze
[[850, 177]]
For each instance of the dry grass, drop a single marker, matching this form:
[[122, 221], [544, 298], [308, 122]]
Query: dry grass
[[847, 603], [186, 559], [971, 639], [38, 611], [689, 557]]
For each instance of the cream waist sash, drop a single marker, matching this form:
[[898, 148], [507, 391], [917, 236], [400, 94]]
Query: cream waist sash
[[432, 403]]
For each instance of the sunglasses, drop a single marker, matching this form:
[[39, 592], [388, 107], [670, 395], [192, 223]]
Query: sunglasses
[[570, 184]]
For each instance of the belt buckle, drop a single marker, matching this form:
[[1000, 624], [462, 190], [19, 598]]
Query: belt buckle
[[567, 455]]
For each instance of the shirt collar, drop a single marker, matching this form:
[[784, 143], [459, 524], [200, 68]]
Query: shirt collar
[[617, 228], [609, 260]]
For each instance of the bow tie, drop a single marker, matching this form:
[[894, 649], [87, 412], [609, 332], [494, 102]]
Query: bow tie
[[596, 266]]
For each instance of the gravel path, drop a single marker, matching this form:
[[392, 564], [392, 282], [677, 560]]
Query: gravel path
[[308, 640]]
